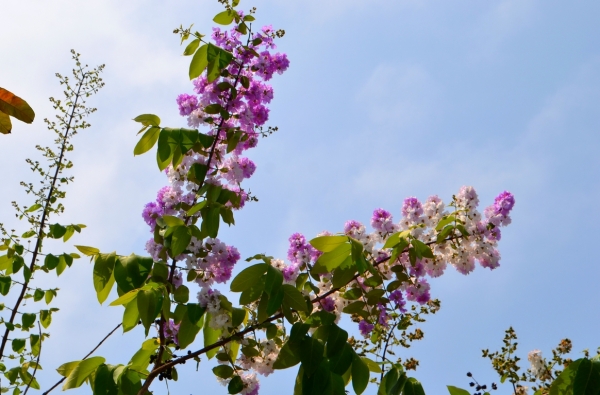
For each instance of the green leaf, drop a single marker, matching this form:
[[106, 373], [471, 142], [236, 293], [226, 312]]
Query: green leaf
[[197, 207], [253, 293], [289, 356], [344, 273], [236, 385], [394, 239], [195, 312], [273, 281], [13, 105], [163, 153], [373, 366], [141, 359], [147, 141], [564, 382], [180, 240], [354, 307], [33, 208], [49, 295], [5, 282], [210, 220], [125, 298], [172, 221], [188, 330], [197, 174], [223, 371], [446, 219], [28, 234], [45, 318], [238, 316], [182, 294], [131, 316], [225, 18], [294, 298], [66, 368], [191, 47], [210, 337], [248, 277], [5, 262], [455, 390], [148, 119], [311, 355], [422, 249], [213, 69], [132, 271], [227, 215], [275, 301], [57, 231], [331, 260], [149, 304], [317, 383], [27, 320], [104, 383], [104, 265], [35, 344], [199, 62], [587, 379], [413, 387], [341, 362], [360, 375], [89, 251], [328, 243], [18, 345], [213, 109], [82, 371], [336, 341]]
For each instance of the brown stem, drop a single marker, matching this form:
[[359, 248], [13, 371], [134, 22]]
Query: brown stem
[[47, 203], [162, 323], [251, 328]]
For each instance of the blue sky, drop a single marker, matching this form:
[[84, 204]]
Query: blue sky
[[383, 100]]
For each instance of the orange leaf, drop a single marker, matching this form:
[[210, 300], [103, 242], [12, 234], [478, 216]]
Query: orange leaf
[[15, 106]]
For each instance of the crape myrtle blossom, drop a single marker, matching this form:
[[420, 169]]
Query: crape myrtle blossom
[[208, 261], [213, 260], [420, 219]]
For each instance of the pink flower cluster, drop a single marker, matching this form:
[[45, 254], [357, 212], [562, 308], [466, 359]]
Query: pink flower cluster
[[213, 260], [420, 221]]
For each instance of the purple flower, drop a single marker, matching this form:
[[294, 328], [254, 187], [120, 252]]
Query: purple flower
[[290, 272], [300, 251], [327, 304], [171, 330], [177, 279], [248, 167], [353, 228], [365, 328], [418, 292], [187, 104], [396, 297], [412, 209], [383, 316], [504, 203], [382, 221], [151, 211]]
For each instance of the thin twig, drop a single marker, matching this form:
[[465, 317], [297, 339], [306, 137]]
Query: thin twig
[[47, 203], [88, 354], [37, 362]]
